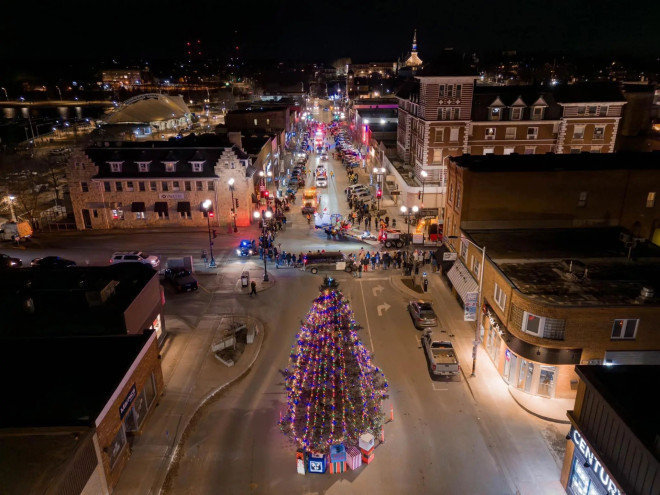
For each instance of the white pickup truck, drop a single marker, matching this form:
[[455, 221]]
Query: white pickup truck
[[441, 356]]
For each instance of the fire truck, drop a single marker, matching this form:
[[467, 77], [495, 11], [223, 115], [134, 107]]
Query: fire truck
[[310, 200]]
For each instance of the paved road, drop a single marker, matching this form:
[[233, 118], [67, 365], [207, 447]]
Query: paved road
[[446, 437]]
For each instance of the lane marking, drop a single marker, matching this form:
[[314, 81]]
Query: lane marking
[[438, 389], [366, 314]]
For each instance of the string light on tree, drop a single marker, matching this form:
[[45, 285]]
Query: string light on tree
[[334, 391]]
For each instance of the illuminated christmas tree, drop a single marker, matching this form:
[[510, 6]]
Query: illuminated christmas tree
[[334, 390]]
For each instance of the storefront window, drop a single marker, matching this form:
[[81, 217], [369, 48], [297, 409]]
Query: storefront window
[[156, 325], [547, 381], [581, 483], [117, 446], [510, 360], [525, 375], [150, 390]]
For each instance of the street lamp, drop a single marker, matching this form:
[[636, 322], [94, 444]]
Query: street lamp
[[6, 95], [264, 215], [379, 180], [477, 333], [408, 212], [11, 208], [233, 205], [207, 207], [424, 175], [59, 91]]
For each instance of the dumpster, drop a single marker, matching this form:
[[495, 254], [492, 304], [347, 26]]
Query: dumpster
[[245, 279]]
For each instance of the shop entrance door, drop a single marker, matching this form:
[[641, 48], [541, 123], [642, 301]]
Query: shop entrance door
[[87, 219], [547, 381]]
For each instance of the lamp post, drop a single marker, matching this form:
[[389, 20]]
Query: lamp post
[[409, 211], [59, 91], [424, 175], [207, 207], [11, 208], [264, 215], [379, 180], [6, 95], [233, 205], [477, 333]]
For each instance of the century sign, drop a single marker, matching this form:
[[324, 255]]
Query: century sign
[[596, 466]]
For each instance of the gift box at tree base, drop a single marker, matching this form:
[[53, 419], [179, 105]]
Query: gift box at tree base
[[353, 457], [337, 467]]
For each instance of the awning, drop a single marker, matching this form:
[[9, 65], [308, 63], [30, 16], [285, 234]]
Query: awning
[[462, 279], [138, 206], [160, 207], [183, 207]]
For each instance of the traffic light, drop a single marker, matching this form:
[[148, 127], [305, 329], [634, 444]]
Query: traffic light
[[215, 233], [211, 213], [379, 194], [236, 202], [265, 194]]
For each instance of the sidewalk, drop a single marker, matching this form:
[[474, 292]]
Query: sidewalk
[[193, 377], [553, 410]]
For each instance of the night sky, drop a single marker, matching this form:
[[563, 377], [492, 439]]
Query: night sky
[[324, 30]]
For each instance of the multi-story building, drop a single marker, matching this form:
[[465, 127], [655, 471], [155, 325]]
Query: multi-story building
[[442, 114], [612, 447], [558, 247], [100, 389], [162, 184], [121, 78]]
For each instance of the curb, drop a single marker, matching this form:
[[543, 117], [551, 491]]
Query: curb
[[545, 418], [396, 282], [174, 455]]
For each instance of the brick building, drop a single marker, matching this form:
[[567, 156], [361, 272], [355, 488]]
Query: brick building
[[443, 113], [119, 299], [161, 184], [104, 386], [612, 447], [564, 279]]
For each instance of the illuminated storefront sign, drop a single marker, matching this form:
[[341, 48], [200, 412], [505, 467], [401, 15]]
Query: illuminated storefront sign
[[579, 481]]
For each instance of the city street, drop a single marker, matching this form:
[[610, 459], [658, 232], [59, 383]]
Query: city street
[[448, 436]]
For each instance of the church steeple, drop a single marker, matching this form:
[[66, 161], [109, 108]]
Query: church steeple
[[413, 60]]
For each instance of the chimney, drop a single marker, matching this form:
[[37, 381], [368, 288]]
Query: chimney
[[235, 138]]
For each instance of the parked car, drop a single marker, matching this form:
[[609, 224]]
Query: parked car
[[135, 257], [440, 355], [181, 279], [7, 261], [52, 262], [422, 314]]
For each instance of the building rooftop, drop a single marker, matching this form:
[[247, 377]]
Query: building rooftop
[[589, 92], [574, 267], [63, 381], [204, 147], [66, 302], [552, 162], [149, 108], [33, 459], [626, 389]]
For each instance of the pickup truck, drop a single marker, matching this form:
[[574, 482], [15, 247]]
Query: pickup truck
[[441, 356]]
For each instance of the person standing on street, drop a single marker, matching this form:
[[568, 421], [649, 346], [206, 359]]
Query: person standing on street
[[253, 286]]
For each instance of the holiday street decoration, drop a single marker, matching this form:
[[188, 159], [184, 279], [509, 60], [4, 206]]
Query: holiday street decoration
[[334, 390]]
